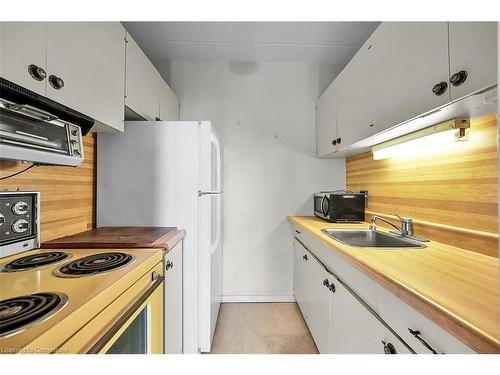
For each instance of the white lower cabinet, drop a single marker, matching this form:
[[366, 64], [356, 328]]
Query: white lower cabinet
[[338, 322], [356, 315], [173, 300]]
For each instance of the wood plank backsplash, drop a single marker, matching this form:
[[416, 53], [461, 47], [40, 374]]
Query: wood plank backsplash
[[451, 194], [67, 193]]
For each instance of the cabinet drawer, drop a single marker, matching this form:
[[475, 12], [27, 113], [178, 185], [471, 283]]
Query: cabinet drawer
[[402, 317]]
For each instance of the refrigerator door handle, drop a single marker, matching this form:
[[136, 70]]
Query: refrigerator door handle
[[200, 193]]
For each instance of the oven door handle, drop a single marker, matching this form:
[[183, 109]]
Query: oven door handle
[[157, 280]]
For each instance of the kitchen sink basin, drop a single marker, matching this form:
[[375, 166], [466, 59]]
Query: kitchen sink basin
[[372, 239]]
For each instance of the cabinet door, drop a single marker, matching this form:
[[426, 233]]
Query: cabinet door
[[319, 296], [23, 44], [142, 88], [473, 49], [391, 78], [353, 329], [173, 300], [312, 295], [326, 123], [90, 59], [299, 277], [169, 104]]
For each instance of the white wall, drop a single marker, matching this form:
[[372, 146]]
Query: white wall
[[264, 114]]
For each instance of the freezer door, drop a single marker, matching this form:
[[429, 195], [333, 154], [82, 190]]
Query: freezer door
[[210, 234]]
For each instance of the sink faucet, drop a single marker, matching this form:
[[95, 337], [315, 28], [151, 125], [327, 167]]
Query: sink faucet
[[406, 229]]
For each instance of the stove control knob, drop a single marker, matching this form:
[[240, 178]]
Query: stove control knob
[[20, 208], [20, 226], [2, 219]]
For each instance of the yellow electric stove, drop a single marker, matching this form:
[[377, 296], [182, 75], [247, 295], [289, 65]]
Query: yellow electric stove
[[82, 301]]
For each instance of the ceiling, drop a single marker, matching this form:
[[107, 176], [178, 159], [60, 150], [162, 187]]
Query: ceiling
[[314, 42]]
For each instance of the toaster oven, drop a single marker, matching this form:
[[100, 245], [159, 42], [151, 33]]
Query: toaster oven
[[340, 206]]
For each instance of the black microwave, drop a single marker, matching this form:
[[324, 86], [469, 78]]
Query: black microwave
[[340, 206]]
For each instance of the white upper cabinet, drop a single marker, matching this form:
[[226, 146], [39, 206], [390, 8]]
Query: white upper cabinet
[[405, 69], [23, 54], [88, 60], [326, 123], [473, 50], [391, 78], [142, 87], [169, 104]]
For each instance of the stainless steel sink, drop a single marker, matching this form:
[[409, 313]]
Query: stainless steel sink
[[372, 238]]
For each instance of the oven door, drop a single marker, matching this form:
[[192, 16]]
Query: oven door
[[139, 328]]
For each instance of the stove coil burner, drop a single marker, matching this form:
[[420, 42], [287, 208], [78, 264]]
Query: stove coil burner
[[94, 264], [34, 261], [18, 313]]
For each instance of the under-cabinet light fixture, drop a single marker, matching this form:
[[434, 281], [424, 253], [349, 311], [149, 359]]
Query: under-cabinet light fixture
[[423, 141]]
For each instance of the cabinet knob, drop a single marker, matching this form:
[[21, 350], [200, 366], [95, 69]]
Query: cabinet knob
[[334, 142], [440, 88], [389, 348], [169, 265], [339, 140], [332, 287], [304, 256], [458, 78], [36, 72], [326, 283], [56, 82]]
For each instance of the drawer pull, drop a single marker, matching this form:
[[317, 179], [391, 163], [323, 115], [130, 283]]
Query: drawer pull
[[417, 334], [297, 231], [304, 256]]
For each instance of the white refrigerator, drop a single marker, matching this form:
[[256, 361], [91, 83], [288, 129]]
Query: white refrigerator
[[162, 173]]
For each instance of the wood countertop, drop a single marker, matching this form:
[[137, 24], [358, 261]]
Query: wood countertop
[[120, 237], [455, 288]]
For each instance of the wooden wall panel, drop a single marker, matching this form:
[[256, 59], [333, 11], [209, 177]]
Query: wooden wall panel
[[67, 193], [452, 194]]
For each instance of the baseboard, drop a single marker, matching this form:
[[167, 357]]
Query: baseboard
[[241, 299]]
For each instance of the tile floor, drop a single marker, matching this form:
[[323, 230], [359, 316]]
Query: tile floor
[[262, 328]]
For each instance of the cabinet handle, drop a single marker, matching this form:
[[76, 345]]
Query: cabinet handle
[[326, 283], [169, 265], [458, 78], [440, 88], [334, 142], [37, 73], [297, 231], [417, 334], [389, 348], [339, 140], [56, 82], [304, 256]]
